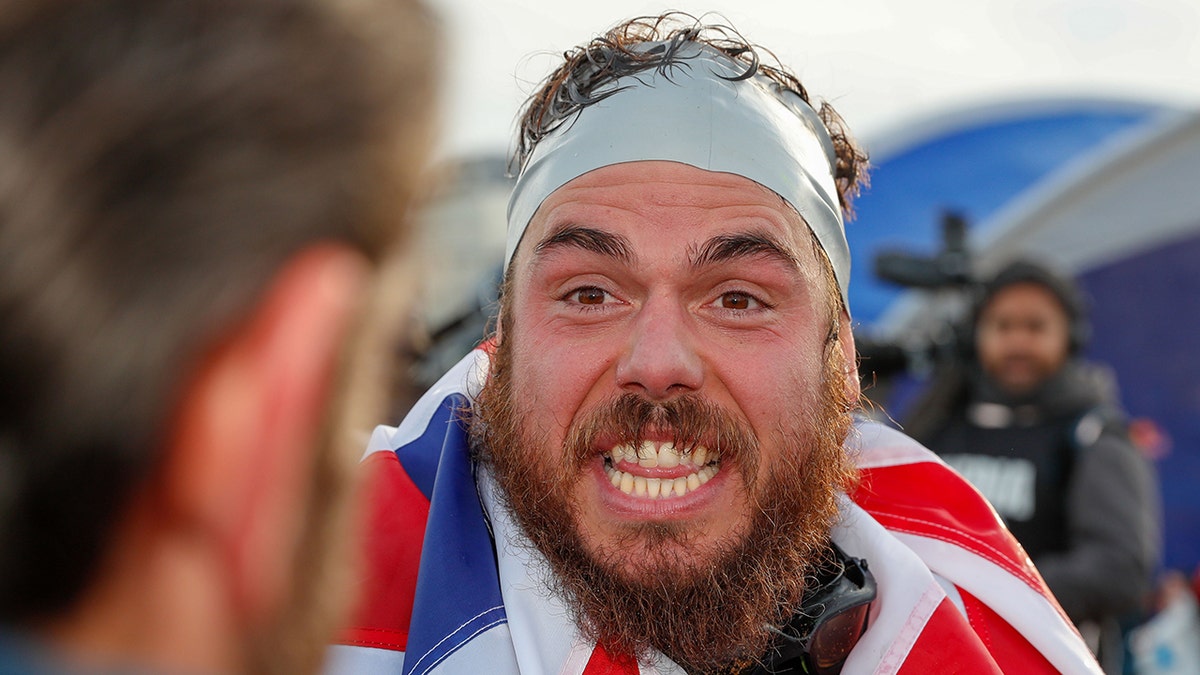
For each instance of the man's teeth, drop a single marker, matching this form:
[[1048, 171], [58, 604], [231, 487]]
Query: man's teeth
[[659, 488], [651, 455]]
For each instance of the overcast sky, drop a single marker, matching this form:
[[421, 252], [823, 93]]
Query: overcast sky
[[881, 63]]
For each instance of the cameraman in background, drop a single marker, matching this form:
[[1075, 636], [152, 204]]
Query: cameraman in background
[[1039, 431]]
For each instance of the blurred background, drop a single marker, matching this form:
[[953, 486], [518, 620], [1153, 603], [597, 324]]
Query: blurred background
[[1069, 129]]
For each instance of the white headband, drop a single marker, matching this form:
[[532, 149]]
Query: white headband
[[695, 113]]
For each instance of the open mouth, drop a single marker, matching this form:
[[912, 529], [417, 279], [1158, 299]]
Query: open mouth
[[662, 472]]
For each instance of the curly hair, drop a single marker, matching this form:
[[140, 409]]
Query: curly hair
[[580, 80]]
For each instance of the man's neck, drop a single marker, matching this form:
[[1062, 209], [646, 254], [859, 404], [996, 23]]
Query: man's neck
[[154, 606]]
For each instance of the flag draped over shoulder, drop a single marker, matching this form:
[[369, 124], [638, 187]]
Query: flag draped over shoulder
[[450, 588]]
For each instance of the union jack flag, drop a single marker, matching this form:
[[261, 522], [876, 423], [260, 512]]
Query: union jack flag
[[444, 591]]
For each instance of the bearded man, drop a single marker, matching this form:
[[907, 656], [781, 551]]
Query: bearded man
[[653, 466], [200, 203]]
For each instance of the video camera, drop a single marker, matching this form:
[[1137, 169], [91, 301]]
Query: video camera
[[946, 271]]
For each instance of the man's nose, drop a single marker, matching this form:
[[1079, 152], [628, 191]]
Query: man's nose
[[660, 360]]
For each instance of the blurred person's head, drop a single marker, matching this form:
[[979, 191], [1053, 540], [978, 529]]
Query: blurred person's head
[[199, 201], [1027, 325], [674, 370]]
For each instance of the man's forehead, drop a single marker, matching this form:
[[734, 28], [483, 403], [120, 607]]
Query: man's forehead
[[715, 209], [673, 170], [1025, 295], [662, 183]]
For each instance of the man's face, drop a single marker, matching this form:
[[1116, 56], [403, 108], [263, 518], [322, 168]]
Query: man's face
[[1022, 337], [668, 368]]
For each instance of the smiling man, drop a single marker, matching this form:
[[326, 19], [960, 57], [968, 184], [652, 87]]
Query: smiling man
[[654, 465]]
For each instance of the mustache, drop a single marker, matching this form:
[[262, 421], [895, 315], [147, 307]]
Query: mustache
[[1020, 358], [690, 420]]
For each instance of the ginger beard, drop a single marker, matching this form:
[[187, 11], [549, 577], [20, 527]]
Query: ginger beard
[[709, 609]]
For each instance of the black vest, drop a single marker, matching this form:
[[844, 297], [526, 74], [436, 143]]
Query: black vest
[[1022, 467]]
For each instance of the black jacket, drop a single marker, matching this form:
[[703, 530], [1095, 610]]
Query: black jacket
[[1061, 470]]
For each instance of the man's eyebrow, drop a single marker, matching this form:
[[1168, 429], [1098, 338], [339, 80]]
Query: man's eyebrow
[[742, 245], [588, 239]]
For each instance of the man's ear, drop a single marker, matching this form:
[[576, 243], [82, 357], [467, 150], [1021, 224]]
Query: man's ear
[[851, 382], [239, 465]]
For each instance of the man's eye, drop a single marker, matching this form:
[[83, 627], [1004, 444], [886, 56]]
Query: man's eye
[[589, 296], [739, 300]]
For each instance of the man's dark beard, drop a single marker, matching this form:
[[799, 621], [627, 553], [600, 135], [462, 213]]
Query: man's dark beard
[[708, 613]]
